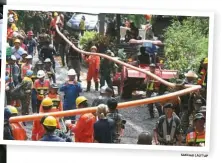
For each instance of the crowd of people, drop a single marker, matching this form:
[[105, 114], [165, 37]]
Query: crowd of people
[[31, 88]]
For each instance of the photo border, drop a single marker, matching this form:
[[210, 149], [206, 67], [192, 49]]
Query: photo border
[[112, 10]]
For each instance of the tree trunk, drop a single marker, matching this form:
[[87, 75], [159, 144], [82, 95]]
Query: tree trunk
[[118, 23], [101, 23]]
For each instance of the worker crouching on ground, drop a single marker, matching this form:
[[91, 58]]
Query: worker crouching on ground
[[38, 130], [93, 62], [50, 123], [117, 118], [83, 129], [71, 91], [16, 130], [41, 86], [104, 128], [168, 127], [197, 137], [145, 138]]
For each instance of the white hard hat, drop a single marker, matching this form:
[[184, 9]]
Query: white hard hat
[[40, 74], [47, 60], [24, 52], [10, 19], [13, 58], [103, 89], [51, 46], [15, 34], [71, 72], [28, 57]]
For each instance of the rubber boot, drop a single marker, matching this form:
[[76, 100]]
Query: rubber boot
[[96, 86], [88, 86], [78, 78]]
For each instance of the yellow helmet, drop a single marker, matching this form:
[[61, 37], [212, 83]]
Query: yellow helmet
[[161, 61], [205, 61], [47, 102], [55, 14], [13, 109], [79, 100], [17, 41], [50, 121]]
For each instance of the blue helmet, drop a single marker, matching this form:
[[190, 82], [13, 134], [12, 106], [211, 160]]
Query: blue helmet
[[29, 73], [7, 114]]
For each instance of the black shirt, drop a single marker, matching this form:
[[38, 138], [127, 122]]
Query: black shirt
[[104, 131]]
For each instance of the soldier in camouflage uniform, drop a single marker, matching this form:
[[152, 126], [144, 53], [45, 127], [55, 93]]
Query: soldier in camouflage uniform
[[107, 68]]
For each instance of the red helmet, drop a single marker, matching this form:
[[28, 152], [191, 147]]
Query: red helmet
[[30, 33]]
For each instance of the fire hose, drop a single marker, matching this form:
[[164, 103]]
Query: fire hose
[[123, 105]]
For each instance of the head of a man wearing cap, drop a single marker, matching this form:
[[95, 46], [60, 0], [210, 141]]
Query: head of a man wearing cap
[[17, 43], [168, 109], [12, 60], [28, 59], [152, 68], [202, 110], [197, 104], [47, 63], [191, 76], [24, 55], [199, 121]]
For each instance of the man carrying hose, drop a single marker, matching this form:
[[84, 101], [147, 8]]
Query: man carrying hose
[[93, 70]]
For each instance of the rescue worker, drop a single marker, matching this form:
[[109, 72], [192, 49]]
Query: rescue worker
[[107, 70], [38, 130], [23, 59], [152, 87], [190, 77], [104, 128], [7, 127], [38, 66], [145, 138], [202, 80], [14, 70], [17, 50], [74, 59], [93, 69], [83, 129], [49, 70], [202, 110], [105, 94], [41, 86], [27, 66], [17, 128], [25, 88], [71, 91], [43, 38], [82, 25], [113, 113], [31, 43], [168, 127], [197, 137], [50, 123], [47, 51], [56, 99]]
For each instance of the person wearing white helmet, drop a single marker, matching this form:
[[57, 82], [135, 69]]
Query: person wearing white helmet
[[14, 69], [49, 70], [41, 86], [71, 90], [26, 66]]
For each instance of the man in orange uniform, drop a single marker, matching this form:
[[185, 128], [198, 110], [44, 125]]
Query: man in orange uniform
[[18, 130], [56, 100], [202, 80], [93, 70], [83, 129], [27, 66], [197, 137], [41, 85], [38, 130]]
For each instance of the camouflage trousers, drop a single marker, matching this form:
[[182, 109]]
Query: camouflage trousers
[[25, 102]]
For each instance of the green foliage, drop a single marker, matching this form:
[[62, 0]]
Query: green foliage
[[137, 19], [186, 43]]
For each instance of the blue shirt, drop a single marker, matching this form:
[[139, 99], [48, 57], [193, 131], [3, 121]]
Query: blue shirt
[[71, 92], [52, 137], [17, 53], [104, 131]]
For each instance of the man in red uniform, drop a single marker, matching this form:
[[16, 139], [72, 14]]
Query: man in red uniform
[[83, 129], [93, 70], [27, 66], [41, 85], [18, 130], [38, 130]]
